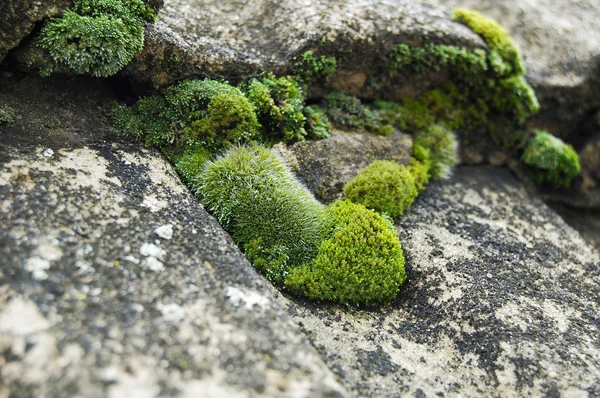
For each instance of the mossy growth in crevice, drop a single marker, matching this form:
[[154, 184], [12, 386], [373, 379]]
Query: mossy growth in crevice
[[551, 160], [94, 37], [314, 70], [8, 115], [350, 113]]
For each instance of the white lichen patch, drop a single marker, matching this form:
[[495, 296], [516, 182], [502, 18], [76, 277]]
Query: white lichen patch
[[164, 231], [171, 312], [21, 317], [513, 314], [152, 250], [246, 298], [153, 264], [38, 267]]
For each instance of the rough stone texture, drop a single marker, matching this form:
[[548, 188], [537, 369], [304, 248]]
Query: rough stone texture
[[502, 299], [235, 38], [325, 166], [560, 43], [20, 16], [114, 281]]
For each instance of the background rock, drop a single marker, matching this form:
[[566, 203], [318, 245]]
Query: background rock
[[114, 281], [325, 166], [234, 39], [502, 299]]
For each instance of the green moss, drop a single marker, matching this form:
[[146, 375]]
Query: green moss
[[279, 104], [209, 113], [361, 263], [190, 165], [442, 146], [553, 161], [311, 69], [252, 193], [419, 166], [8, 115], [383, 186], [95, 37], [348, 112], [317, 123]]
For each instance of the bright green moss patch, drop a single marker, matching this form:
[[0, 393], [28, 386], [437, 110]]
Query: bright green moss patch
[[553, 161], [420, 166], [279, 104], [311, 69], [361, 263], [348, 112], [8, 115], [252, 193], [95, 37], [206, 113], [383, 186], [443, 149]]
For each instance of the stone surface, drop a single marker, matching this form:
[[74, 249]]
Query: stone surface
[[234, 39], [502, 299], [325, 166], [114, 281], [560, 43], [20, 16]]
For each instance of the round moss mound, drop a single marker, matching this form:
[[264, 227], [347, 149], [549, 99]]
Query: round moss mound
[[553, 161], [361, 263], [253, 194], [383, 186], [443, 149]]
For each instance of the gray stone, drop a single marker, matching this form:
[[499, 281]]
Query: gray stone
[[502, 299], [325, 166], [234, 39], [94, 301], [20, 16]]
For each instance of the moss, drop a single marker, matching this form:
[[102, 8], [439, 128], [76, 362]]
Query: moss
[[209, 113], [419, 166], [552, 160], [443, 149], [253, 194], [361, 263], [317, 123], [95, 37], [383, 186], [349, 113], [311, 69], [190, 165], [279, 104], [8, 115]]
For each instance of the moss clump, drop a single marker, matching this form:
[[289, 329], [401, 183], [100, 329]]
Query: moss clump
[[190, 165], [443, 149], [311, 69], [8, 115], [207, 113], [279, 103], [252, 193], [361, 263], [317, 123], [349, 113], [383, 186], [95, 37], [554, 161], [419, 166]]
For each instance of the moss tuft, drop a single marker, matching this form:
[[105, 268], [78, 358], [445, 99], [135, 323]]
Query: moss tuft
[[443, 149], [553, 161], [279, 104], [209, 113], [383, 186], [311, 69], [419, 166], [190, 165], [361, 263], [253, 194], [8, 115], [349, 113], [95, 37], [317, 123]]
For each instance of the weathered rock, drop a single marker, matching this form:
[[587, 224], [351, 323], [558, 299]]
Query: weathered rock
[[114, 281], [325, 166], [234, 39], [560, 46], [20, 16], [502, 299]]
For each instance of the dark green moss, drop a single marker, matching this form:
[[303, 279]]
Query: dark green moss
[[552, 160], [349, 113], [8, 115], [311, 69], [95, 37], [383, 186], [279, 104], [317, 123], [361, 263]]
